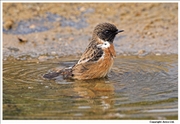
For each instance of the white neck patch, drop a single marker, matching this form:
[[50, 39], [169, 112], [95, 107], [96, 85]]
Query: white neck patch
[[105, 44]]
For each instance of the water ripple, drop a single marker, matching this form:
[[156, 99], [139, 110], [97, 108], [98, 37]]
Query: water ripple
[[137, 88]]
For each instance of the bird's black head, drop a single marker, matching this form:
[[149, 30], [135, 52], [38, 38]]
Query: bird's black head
[[106, 31]]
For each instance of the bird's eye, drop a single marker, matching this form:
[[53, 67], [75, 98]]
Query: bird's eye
[[105, 44], [106, 32]]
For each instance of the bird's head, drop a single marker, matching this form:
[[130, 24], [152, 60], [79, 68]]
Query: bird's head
[[106, 32]]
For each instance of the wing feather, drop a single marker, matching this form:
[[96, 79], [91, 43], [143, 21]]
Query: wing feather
[[91, 54]]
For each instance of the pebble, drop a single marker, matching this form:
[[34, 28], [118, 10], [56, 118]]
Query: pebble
[[82, 9], [141, 51], [22, 39], [149, 33], [53, 53], [46, 86], [158, 54], [42, 58], [30, 87], [8, 24], [32, 26]]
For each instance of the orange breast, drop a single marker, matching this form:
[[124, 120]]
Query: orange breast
[[112, 51], [97, 69]]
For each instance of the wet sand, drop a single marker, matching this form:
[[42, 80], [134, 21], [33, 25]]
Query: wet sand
[[46, 31]]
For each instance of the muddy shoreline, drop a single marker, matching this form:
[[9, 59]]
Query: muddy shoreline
[[47, 31]]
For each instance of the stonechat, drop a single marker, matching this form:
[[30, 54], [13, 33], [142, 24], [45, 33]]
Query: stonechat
[[98, 58]]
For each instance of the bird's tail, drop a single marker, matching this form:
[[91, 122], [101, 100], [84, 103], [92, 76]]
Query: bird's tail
[[66, 73]]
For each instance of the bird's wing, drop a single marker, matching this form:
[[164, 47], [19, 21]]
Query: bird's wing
[[91, 54]]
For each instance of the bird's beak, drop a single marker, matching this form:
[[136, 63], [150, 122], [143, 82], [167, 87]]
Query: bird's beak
[[119, 31]]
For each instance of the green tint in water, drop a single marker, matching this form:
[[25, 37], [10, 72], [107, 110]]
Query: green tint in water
[[137, 88]]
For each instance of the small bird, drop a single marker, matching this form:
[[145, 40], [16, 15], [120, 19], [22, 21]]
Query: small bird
[[98, 58]]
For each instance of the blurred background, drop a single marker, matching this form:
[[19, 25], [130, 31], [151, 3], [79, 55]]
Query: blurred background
[[63, 29]]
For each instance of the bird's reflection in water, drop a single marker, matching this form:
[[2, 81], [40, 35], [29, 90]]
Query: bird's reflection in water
[[98, 92]]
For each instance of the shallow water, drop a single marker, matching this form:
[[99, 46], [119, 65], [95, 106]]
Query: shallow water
[[137, 88]]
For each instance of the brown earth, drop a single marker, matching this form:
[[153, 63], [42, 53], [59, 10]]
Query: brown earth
[[150, 28]]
